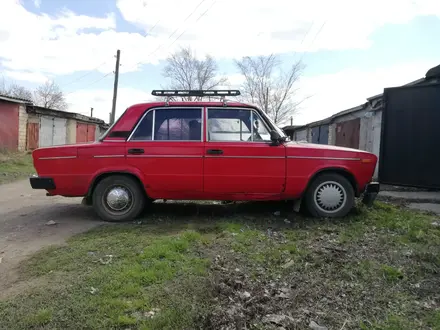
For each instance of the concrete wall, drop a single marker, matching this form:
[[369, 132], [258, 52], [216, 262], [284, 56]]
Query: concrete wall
[[71, 131], [332, 134], [22, 127], [369, 134], [377, 128], [9, 119]]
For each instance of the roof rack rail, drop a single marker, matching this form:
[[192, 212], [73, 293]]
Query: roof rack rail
[[199, 93]]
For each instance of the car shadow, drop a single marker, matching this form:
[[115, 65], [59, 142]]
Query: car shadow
[[202, 214]]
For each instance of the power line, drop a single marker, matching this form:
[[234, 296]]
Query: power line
[[313, 41], [94, 82], [174, 32], [84, 75]]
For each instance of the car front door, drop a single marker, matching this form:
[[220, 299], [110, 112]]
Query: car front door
[[167, 147], [239, 156]]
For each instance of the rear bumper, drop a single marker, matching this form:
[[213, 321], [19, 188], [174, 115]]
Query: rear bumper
[[42, 183], [370, 193]]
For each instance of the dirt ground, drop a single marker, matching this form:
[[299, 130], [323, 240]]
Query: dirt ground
[[24, 213]]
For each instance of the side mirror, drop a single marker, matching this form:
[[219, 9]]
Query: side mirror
[[275, 136]]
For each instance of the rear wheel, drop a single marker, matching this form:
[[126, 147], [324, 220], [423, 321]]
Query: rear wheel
[[330, 196], [118, 198]]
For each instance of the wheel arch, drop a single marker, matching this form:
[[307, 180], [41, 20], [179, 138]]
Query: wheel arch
[[338, 170], [100, 176]]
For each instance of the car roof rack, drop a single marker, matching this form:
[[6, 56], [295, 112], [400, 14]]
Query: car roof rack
[[196, 92]]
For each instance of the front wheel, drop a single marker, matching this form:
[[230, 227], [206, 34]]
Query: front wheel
[[118, 198], [330, 196]]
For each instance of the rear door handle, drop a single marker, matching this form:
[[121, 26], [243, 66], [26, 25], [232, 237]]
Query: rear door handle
[[135, 151], [214, 152]]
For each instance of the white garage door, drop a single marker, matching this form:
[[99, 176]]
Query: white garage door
[[59, 131], [46, 131], [52, 131], [301, 135]]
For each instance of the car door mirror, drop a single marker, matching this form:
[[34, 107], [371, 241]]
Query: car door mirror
[[275, 136]]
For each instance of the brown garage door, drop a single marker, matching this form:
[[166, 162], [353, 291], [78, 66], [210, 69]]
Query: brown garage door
[[347, 133], [33, 135]]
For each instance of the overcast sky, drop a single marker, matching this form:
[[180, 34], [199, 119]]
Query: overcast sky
[[352, 49]]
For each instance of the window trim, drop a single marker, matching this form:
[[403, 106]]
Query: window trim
[[252, 110], [154, 122]]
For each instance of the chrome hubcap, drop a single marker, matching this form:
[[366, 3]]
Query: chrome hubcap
[[118, 199], [330, 196]]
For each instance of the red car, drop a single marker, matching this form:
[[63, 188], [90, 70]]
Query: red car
[[199, 150]]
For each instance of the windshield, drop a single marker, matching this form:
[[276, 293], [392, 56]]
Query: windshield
[[274, 126]]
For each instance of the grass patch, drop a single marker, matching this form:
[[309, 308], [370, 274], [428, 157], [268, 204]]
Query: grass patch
[[15, 165], [209, 267], [115, 276]]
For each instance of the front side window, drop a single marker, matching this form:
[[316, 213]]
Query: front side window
[[183, 124], [260, 130], [236, 125]]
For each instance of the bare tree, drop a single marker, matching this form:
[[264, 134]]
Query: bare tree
[[269, 86], [185, 71], [49, 95], [16, 90]]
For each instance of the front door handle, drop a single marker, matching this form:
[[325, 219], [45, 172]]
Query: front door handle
[[135, 151], [214, 152]]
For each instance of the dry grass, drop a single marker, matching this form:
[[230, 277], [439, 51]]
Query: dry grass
[[15, 165]]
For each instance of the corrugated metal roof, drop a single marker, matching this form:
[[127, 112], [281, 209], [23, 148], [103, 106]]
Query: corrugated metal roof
[[63, 114], [14, 99]]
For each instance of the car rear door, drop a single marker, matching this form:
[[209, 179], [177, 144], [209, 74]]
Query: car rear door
[[239, 156], [167, 147]]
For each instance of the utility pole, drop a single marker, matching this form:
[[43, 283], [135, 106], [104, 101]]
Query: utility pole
[[91, 112], [115, 87]]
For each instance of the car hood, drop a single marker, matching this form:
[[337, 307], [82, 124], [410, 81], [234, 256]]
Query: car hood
[[321, 150]]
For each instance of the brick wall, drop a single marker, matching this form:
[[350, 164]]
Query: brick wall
[[22, 127]]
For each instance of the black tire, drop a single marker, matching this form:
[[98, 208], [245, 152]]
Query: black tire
[[329, 206], [130, 187]]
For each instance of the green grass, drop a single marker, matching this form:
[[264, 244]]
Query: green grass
[[376, 269], [15, 165]]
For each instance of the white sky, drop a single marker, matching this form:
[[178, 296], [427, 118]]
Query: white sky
[[36, 46]]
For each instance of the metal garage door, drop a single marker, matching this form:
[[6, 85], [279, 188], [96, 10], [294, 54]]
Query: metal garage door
[[323, 134], [320, 134], [85, 133], [59, 131], [91, 132], [33, 133], [315, 134], [52, 131], [347, 133], [301, 135], [46, 131], [410, 140]]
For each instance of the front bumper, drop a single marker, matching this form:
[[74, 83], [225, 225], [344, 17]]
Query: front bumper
[[42, 183], [370, 193]]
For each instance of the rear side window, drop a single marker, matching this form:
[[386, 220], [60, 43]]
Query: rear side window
[[144, 132], [173, 124], [178, 124]]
